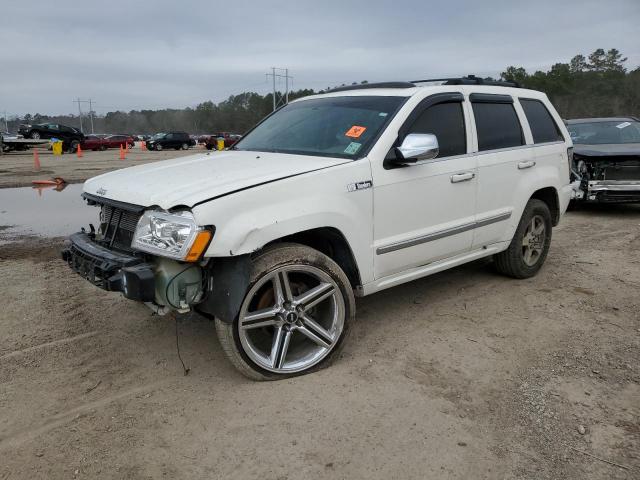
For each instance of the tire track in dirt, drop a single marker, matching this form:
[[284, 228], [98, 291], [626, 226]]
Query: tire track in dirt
[[18, 437], [53, 343]]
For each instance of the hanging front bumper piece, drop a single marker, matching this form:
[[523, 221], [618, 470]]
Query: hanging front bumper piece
[[110, 270]]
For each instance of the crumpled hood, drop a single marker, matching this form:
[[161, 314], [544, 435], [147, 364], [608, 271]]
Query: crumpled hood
[[608, 150], [193, 179]]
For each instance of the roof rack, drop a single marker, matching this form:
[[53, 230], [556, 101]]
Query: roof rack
[[362, 86], [469, 80]]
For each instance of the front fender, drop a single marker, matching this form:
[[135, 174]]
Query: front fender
[[248, 220]]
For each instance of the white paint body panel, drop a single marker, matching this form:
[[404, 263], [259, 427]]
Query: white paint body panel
[[254, 198]]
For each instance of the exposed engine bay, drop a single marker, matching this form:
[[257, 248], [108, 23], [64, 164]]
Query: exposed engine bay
[[606, 159]]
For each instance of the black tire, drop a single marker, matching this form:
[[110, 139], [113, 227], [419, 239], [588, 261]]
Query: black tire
[[511, 262], [158, 147], [102, 148], [34, 135], [185, 146], [265, 263], [209, 147], [73, 146]]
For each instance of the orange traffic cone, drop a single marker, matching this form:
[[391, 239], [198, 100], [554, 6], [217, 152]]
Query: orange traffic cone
[[36, 160], [122, 153], [79, 151], [143, 145]]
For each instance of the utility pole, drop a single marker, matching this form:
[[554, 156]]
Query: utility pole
[[286, 77], [6, 125], [80, 114], [91, 114]]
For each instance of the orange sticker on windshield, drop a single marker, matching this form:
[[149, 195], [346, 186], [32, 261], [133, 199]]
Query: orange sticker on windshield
[[355, 132]]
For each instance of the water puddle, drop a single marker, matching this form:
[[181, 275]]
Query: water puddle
[[51, 211]]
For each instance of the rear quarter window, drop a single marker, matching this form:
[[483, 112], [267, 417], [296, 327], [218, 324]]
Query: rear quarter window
[[543, 128], [497, 125]]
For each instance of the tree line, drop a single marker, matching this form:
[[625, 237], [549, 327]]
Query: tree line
[[597, 85]]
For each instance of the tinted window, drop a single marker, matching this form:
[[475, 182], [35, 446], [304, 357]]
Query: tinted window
[[343, 127], [603, 132], [543, 128], [497, 125], [446, 122]]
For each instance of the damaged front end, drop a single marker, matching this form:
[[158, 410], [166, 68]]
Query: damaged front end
[[607, 178], [125, 254], [107, 258]]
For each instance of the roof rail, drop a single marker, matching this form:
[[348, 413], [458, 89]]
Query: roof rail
[[362, 86], [469, 80]]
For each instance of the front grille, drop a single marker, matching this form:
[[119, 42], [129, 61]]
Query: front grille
[[117, 226]]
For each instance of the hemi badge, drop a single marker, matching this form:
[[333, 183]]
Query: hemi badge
[[352, 187], [101, 191]]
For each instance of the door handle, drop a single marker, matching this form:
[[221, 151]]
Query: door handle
[[462, 177], [527, 164]]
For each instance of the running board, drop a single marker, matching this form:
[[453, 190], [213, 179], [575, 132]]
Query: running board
[[429, 269]]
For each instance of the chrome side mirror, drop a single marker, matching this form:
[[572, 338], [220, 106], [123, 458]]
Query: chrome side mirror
[[416, 148]]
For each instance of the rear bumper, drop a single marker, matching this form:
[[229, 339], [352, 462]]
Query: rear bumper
[[110, 270], [614, 191]]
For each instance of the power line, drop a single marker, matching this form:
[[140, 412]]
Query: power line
[[286, 76]]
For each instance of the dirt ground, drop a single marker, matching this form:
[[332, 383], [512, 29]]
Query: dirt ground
[[17, 168], [463, 375]]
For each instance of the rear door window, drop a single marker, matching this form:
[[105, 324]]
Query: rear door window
[[497, 125], [446, 122], [543, 128]]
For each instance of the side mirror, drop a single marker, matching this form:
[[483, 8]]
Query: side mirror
[[416, 148]]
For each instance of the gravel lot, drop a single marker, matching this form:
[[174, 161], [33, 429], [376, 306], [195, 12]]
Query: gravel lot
[[17, 168], [465, 374]]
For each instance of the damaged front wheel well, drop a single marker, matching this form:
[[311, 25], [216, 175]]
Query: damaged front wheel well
[[333, 244]]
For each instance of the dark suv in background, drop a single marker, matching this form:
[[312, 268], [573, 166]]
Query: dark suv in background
[[71, 137], [177, 140]]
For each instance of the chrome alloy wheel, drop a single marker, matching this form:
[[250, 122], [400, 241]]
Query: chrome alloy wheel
[[291, 319], [533, 240]]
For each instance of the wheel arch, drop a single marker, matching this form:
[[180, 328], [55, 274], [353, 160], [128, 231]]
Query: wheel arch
[[549, 195], [331, 242]]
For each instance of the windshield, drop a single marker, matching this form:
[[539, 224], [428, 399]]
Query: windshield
[[158, 136], [599, 133], [343, 127]]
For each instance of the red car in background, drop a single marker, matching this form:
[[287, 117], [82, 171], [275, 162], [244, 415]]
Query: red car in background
[[102, 142], [93, 142], [229, 140], [115, 141]]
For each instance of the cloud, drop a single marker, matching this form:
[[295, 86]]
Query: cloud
[[153, 54]]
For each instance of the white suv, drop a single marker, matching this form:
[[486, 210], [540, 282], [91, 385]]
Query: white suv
[[333, 196]]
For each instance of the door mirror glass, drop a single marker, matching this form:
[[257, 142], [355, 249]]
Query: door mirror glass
[[417, 147]]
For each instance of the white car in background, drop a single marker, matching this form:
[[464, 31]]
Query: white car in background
[[333, 196]]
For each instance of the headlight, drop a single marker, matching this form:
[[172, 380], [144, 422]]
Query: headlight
[[173, 235]]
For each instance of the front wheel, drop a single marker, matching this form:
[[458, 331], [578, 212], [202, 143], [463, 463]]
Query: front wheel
[[35, 135], [530, 244], [159, 147], [294, 318]]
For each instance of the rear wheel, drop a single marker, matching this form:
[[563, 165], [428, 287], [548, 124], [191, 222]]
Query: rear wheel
[[294, 318], [73, 146], [35, 135], [185, 146], [158, 147], [530, 244]]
